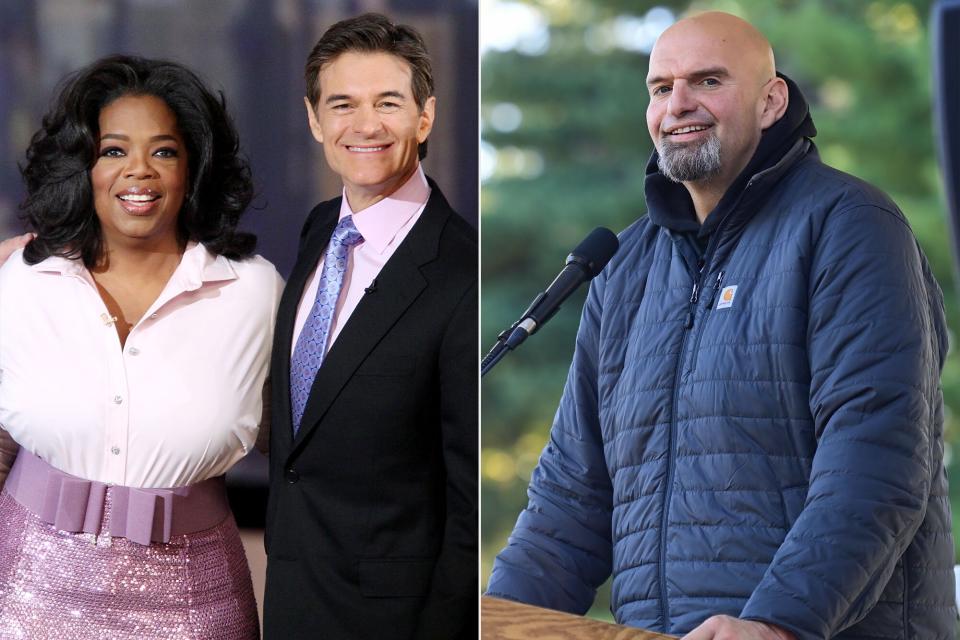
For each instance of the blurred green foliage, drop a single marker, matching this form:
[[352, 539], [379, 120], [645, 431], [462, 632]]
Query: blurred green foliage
[[577, 160]]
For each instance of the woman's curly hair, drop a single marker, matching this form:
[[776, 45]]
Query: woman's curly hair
[[59, 202]]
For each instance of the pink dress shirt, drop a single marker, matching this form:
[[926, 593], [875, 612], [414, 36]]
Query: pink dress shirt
[[180, 402], [383, 226]]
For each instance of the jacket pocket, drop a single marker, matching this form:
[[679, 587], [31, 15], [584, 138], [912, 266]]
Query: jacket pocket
[[395, 578]]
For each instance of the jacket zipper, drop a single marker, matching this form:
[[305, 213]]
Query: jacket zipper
[[668, 488], [692, 309], [695, 351]]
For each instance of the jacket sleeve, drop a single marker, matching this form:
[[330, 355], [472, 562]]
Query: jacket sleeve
[[875, 347], [560, 549], [450, 608]]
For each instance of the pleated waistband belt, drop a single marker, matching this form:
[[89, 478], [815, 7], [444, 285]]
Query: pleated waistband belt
[[143, 516]]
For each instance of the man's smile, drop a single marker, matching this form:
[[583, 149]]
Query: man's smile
[[685, 132], [366, 149], [688, 129]]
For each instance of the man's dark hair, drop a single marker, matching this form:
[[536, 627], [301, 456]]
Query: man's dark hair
[[373, 33], [59, 203]]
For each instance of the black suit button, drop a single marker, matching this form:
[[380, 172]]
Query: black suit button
[[292, 476]]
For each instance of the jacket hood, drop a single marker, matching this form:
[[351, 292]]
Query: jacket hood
[[669, 204]]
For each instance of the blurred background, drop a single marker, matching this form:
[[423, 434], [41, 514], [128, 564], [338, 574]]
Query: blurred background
[[254, 52], [563, 149]]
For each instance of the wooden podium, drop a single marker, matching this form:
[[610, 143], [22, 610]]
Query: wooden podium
[[506, 620]]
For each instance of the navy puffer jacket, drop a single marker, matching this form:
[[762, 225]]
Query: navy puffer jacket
[[755, 430]]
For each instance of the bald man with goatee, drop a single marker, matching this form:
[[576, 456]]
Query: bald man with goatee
[[750, 439]]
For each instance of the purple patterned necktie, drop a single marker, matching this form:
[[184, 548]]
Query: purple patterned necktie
[[312, 343]]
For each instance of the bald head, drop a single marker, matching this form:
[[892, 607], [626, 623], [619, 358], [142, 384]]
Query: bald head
[[719, 36]]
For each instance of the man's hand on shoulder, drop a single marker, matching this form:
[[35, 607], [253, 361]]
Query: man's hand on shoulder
[[727, 628], [10, 245]]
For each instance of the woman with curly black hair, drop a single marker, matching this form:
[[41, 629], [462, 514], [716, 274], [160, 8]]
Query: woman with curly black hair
[[134, 344]]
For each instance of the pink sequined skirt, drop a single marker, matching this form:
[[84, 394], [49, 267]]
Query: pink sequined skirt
[[77, 586]]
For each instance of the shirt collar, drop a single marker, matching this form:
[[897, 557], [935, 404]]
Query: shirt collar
[[379, 223], [197, 266], [61, 265]]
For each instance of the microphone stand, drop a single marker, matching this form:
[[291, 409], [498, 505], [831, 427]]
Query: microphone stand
[[512, 337], [495, 354], [508, 340]]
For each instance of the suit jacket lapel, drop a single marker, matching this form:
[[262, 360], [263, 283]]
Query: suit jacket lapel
[[399, 284], [312, 249]]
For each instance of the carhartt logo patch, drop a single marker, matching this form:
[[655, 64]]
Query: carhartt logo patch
[[726, 297]]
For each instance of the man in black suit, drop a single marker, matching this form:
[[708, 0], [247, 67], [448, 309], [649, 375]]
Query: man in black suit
[[372, 520]]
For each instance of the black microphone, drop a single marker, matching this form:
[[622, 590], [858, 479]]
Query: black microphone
[[372, 288], [584, 263]]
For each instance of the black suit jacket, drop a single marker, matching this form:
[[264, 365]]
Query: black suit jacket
[[372, 519]]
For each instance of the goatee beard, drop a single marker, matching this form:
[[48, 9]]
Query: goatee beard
[[686, 162]]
